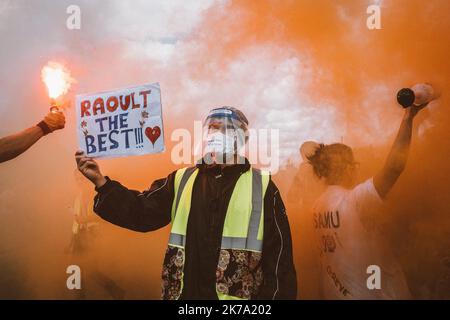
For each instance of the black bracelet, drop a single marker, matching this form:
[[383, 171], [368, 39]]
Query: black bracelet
[[44, 127]]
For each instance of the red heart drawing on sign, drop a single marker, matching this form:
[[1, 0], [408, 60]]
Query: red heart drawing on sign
[[153, 133]]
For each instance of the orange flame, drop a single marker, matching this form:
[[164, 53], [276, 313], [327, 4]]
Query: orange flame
[[57, 79]]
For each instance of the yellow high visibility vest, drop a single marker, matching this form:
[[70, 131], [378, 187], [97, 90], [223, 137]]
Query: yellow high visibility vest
[[244, 221]]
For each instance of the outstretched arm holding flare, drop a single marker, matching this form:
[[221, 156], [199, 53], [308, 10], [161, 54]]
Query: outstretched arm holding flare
[[398, 156], [14, 145]]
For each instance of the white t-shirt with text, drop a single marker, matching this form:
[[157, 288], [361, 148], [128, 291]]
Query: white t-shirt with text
[[351, 251]]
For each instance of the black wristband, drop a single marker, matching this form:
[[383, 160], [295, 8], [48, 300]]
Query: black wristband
[[44, 127]]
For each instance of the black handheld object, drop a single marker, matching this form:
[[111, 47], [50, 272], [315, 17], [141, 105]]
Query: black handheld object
[[406, 97]]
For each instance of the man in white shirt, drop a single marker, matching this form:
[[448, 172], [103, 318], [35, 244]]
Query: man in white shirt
[[355, 261]]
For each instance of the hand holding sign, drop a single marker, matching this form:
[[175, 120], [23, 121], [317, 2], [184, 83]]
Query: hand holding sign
[[89, 168], [113, 124]]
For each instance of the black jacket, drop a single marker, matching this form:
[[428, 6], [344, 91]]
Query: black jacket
[[151, 210]]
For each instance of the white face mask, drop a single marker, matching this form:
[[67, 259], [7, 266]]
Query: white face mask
[[220, 143]]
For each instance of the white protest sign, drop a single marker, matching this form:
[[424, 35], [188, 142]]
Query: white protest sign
[[121, 122]]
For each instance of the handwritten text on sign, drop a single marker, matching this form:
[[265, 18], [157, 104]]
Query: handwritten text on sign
[[120, 123]]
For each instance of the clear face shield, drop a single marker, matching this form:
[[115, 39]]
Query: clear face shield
[[224, 138]]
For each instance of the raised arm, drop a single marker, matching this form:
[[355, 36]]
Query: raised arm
[[14, 145], [398, 156]]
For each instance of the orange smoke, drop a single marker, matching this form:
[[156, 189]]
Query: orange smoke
[[309, 68]]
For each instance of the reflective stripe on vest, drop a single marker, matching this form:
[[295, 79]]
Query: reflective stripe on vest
[[246, 201], [184, 182]]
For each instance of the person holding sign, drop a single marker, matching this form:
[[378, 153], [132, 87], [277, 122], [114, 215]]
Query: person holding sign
[[14, 145], [230, 236]]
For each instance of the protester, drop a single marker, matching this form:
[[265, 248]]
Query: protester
[[305, 188], [83, 247], [14, 145], [230, 236], [352, 248]]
